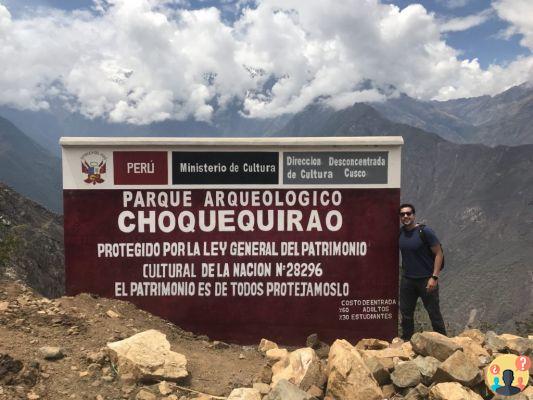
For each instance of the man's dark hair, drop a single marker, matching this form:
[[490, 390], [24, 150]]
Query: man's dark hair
[[407, 205]]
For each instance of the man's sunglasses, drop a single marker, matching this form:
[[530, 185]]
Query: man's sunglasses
[[407, 213]]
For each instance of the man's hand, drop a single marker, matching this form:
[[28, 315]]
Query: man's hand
[[432, 285]]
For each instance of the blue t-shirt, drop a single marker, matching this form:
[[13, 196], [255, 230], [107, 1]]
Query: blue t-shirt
[[417, 258]]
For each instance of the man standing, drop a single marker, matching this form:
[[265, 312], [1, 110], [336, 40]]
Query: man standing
[[422, 260]]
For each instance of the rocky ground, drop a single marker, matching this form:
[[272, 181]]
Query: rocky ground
[[86, 347]]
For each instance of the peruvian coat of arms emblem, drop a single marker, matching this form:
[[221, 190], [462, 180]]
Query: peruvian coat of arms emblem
[[93, 164]]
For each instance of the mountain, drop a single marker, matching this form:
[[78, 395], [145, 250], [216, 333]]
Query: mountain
[[501, 119], [31, 243], [427, 116], [479, 200], [28, 167], [46, 127], [491, 120]]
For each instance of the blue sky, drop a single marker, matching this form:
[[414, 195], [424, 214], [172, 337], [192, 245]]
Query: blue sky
[[142, 61]]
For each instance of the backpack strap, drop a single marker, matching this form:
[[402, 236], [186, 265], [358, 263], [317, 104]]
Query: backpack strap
[[422, 234]]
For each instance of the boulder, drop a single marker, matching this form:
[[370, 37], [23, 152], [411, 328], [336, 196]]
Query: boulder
[[406, 374], [388, 390], [321, 349], [275, 355], [378, 370], [452, 391], [244, 394], [371, 344], [266, 345], [302, 368], [475, 334], [473, 351], [458, 368], [427, 367], [285, 390], [349, 378], [147, 356], [408, 350], [145, 394], [164, 388], [315, 391], [261, 387], [433, 344], [420, 392], [264, 375], [517, 344], [389, 352], [494, 343], [51, 352]]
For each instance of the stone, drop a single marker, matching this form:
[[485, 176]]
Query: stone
[[517, 344], [244, 394], [51, 352], [218, 345], [266, 345], [420, 392], [349, 378], [494, 343], [4, 305], [164, 388], [475, 334], [147, 356], [406, 374], [407, 347], [473, 351], [145, 394], [264, 375], [112, 314], [261, 387], [315, 391], [389, 352], [275, 355], [321, 349], [33, 396], [388, 390], [427, 367], [378, 370], [302, 369], [312, 341], [285, 390], [371, 344], [457, 368], [452, 391], [433, 344]]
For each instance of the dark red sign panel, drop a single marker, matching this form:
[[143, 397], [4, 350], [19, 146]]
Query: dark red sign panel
[[140, 167], [239, 265]]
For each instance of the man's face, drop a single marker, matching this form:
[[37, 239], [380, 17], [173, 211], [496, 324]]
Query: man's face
[[407, 217]]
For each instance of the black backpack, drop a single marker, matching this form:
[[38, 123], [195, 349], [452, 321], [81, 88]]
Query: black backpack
[[423, 237]]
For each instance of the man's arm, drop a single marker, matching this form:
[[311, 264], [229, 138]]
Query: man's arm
[[437, 266]]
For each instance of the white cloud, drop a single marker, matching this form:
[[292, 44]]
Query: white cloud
[[519, 13], [141, 61], [464, 23]]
